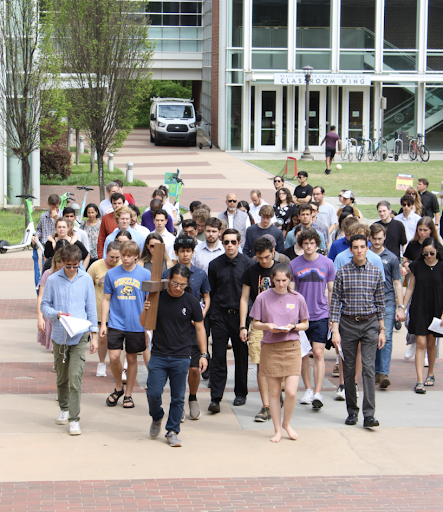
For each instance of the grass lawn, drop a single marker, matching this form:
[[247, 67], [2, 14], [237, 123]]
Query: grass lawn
[[12, 224], [365, 179], [81, 175]]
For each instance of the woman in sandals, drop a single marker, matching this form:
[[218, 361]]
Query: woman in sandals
[[425, 291], [281, 313]]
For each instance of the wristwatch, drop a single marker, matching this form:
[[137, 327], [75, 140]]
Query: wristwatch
[[401, 306], [241, 328], [204, 356]]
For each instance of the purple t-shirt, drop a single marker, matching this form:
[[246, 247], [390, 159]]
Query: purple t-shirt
[[331, 139], [270, 307], [312, 278]]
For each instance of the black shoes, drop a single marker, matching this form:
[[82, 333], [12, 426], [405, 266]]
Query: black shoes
[[327, 171], [214, 407], [352, 419], [240, 400], [370, 422]]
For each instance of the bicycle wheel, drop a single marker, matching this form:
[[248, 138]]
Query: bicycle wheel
[[413, 153], [360, 154], [424, 153], [344, 153], [370, 153], [351, 153]]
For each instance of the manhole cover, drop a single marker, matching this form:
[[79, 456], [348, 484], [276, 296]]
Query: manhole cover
[[24, 378]]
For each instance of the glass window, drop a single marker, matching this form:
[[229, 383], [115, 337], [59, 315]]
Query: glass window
[[235, 23], [401, 19], [434, 118], [252, 117], [270, 23], [313, 24], [435, 17], [264, 59], [319, 60], [234, 118], [296, 105], [357, 22], [358, 61], [399, 115]]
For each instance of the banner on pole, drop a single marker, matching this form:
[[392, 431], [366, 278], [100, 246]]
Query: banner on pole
[[404, 181]]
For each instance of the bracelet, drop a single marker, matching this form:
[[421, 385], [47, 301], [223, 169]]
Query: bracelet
[[241, 328], [382, 328]]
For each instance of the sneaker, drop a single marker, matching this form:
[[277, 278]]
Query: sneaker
[[125, 364], [377, 378], [307, 397], [74, 428], [124, 376], [317, 402], [410, 352], [194, 410], [101, 370], [229, 344], [263, 415], [426, 360], [173, 440], [356, 390], [183, 416], [340, 393], [397, 325], [327, 171], [336, 371], [154, 431], [62, 418]]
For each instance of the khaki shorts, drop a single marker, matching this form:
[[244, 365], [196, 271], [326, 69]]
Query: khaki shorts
[[255, 337]]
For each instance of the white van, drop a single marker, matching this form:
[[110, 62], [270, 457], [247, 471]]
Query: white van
[[173, 120]]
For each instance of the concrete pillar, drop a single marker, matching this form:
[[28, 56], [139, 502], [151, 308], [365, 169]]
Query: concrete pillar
[[129, 172], [111, 162], [82, 144]]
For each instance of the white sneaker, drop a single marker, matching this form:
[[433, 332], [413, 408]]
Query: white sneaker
[[229, 343], [340, 393], [62, 418], [426, 360], [410, 352], [101, 370], [125, 366], [124, 376], [317, 402], [183, 416], [307, 397], [356, 390], [74, 428]]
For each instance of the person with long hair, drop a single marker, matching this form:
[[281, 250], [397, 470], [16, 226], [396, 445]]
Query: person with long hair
[[425, 291], [417, 206], [91, 226], [283, 207], [339, 233], [244, 207], [63, 231], [123, 236], [148, 250], [281, 313]]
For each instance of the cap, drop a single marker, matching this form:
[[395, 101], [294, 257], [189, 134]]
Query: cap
[[348, 195]]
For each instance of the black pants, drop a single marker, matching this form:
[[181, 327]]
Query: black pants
[[223, 327]]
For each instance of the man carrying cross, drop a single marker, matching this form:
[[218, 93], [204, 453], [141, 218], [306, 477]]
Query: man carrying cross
[[171, 351]]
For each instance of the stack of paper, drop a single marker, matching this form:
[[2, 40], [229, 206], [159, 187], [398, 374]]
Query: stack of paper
[[73, 325]]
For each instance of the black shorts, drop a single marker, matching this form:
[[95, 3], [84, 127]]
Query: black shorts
[[318, 330], [195, 354], [330, 152], [134, 341]]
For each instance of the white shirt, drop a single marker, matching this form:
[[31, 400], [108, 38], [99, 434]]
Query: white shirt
[[106, 207], [141, 229], [82, 237], [327, 214], [410, 223], [253, 210], [169, 239], [231, 221], [203, 255]]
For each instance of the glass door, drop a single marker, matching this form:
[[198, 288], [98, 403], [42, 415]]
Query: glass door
[[355, 113], [317, 116], [269, 114]]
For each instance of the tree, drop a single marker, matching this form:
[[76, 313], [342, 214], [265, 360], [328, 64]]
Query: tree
[[104, 46], [28, 81]]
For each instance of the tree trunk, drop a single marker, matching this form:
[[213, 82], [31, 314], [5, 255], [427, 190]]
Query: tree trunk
[[68, 143], [92, 158], [77, 149], [26, 167], [101, 174]]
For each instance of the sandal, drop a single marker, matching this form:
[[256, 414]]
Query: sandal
[[419, 388], [430, 380], [115, 397], [128, 400]]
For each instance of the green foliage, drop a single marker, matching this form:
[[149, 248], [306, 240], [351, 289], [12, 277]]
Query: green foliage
[[55, 162], [162, 89]]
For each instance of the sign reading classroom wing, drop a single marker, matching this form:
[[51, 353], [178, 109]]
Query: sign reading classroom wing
[[322, 79]]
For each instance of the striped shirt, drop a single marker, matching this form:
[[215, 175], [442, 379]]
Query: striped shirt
[[358, 291], [45, 226]]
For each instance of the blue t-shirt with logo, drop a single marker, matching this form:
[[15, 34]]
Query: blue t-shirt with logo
[[127, 297]]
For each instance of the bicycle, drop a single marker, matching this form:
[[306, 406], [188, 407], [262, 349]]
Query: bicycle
[[347, 152], [362, 150], [379, 150], [417, 148]]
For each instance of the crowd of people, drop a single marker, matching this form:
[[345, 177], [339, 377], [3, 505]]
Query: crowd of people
[[276, 283]]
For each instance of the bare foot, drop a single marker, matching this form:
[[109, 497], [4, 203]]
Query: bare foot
[[291, 432], [276, 438]]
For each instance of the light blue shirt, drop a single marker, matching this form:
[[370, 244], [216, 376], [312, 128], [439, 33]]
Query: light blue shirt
[[290, 240], [76, 297], [346, 256], [136, 236]]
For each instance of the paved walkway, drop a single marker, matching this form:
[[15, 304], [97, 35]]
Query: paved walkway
[[227, 461]]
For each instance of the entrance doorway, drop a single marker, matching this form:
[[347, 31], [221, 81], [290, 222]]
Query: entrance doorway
[[317, 116], [268, 114], [355, 113]]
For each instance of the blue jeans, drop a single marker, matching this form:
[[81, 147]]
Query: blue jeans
[[383, 356], [160, 368]]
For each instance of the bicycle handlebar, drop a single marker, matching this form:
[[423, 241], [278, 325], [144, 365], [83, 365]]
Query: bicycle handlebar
[[85, 188], [27, 196]]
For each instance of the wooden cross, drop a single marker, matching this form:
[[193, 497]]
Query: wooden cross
[[155, 285]]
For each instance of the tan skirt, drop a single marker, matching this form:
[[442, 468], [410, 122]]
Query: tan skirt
[[281, 359]]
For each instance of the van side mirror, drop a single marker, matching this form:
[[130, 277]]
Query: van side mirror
[[152, 117], [199, 118]]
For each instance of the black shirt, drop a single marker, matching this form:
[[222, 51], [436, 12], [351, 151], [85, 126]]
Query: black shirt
[[414, 249], [301, 192], [258, 279], [49, 250], [172, 336], [430, 204], [225, 277], [290, 253], [395, 236]]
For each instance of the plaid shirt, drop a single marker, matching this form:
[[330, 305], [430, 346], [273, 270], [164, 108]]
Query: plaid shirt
[[45, 226], [359, 291]]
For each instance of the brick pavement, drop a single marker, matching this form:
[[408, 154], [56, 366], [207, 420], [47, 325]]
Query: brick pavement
[[17, 263], [11, 309], [415, 493]]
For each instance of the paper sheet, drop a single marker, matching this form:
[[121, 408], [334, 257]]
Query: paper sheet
[[73, 325], [435, 326], [304, 343], [340, 351]]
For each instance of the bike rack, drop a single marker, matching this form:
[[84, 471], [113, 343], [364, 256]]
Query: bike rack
[[397, 143], [352, 141]]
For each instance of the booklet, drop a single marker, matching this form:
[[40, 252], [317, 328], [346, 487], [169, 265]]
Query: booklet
[[435, 325], [73, 325]]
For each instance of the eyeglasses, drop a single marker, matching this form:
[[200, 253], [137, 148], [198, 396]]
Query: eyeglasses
[[178, 285], [430, 253], [227, 242], [405, 204], [232, 200], [340, 196], [72, 266]]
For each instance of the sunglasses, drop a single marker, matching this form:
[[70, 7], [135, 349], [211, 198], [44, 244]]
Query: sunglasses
[[277, 181], [72, 266], [340, 196], [405, 204], [431, 253], [300, 177], [232, 200], [227, 242]]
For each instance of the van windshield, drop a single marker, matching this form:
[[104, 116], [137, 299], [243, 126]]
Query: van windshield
[[176, 111]]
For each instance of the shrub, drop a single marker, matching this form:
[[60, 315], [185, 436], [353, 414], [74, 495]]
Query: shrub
[[55, 162]]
